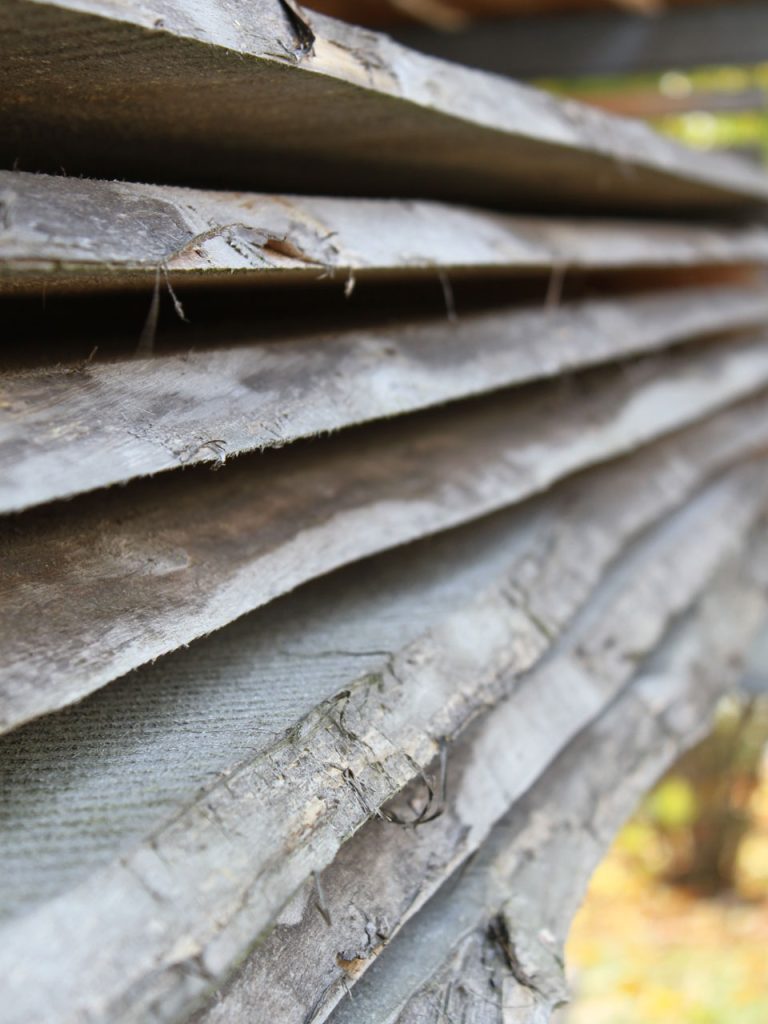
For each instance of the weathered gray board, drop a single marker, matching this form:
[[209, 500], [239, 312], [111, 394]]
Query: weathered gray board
[[66, 429], [227, 94], [131, 945], [198, 713], [530, 876], [229, 698], [383, 875], [65, 232], [112, 580]]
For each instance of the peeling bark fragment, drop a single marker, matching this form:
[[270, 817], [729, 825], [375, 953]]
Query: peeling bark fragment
[[79, 235], [488, 946]]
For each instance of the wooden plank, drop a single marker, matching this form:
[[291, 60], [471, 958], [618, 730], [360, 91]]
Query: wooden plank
[[384, 875], [145, 950], [493, 938], [73, 233], [242, 689], [67, 429], [161, 562], [312, 105]]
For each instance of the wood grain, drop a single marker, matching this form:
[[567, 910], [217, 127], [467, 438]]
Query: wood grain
[[384, 875], [505, 917], [58, 232], [354, 114], [230, 697], [67, 429], [105, 583], [146, 951]]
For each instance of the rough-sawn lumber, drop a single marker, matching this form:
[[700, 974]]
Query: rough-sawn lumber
[[156, 564], [58, 233], [292, 103], [67, 429], [241, 690], [489, 946], [146, 951], [383, 875]]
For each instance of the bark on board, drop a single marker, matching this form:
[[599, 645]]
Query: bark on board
[[131, 945], [491, 941], [75, 233], [69, 429], [268, 675], [230, 698], [383, 875], [305, 104], [111, 581]]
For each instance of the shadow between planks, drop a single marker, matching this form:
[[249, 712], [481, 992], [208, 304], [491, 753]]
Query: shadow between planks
[[76, 427], [242, 847], [107, 582]]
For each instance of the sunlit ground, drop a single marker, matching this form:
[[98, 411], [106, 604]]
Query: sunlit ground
[[642, 952]]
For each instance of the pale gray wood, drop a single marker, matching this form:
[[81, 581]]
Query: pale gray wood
[[133, 944], [161, 562], [65, 429], [81, 234], [489, 946], [354, 114], [231, 697], [755, 679], [383, 875]]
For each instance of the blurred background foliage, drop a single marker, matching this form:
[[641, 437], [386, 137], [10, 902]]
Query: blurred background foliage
[[707, 108], [675, 924]]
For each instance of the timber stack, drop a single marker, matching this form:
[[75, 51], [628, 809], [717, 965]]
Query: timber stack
[[339, 731]]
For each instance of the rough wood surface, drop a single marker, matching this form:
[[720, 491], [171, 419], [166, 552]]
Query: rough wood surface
[[156, 564], [383, 875], [489, 946], [67, 429], [130, 944], [345, 112], [58, 232], [230, 697]]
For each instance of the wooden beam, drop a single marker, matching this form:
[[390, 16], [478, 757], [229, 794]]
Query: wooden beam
[[67, 429], [161, 562], [238, 847], [505, 917], [243, 689], [261, 675], [323, 108], [77, 234], [382, 877]]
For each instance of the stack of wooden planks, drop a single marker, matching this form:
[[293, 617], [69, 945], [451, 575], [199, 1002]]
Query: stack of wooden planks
[[369, 545]]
